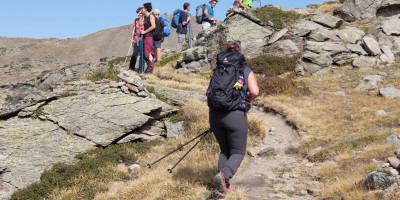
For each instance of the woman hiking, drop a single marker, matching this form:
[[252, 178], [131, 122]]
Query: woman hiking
[[232, 89], [149, 24]]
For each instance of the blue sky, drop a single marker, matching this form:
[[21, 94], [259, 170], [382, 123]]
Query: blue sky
[[77, 18]]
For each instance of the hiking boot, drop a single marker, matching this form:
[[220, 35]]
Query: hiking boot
[[219, 180]]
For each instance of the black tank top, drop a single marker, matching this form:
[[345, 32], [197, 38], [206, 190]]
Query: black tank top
[[147, 25]]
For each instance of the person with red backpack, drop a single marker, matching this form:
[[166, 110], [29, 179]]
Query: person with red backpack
[[137, 29], [232, 88], [149, 24]]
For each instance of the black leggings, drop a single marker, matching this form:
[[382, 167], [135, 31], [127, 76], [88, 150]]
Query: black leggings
[[230, 129], [134, 57]]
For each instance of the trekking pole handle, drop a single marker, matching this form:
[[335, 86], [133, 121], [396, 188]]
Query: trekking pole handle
[[150, 165], [184, 156]]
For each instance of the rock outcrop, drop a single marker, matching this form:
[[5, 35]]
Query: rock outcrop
[[353, 10]]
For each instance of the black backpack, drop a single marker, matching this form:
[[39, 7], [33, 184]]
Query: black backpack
[[221, 93], [158, 32]]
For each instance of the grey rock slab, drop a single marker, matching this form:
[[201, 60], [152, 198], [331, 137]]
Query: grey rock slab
[[344, 58], [131, 78], [370, 85], [194, 67], [391, 26], [351, 34], [322, 59], [378, 180], [356, 48], [387, 56], [19, 96], [303, 27], [33, 146], [375, 78], [6, 190], [364, 61], [327, 20], [331, 47], [282, 48], [277, 35], [323, 71], [176, 96], [388, 192], [394, 162], [104, 118], [380, 113], [371, 45], [194, 54], [390, 92], [310, 67], [322, 35], [174, 130], [392, 139]]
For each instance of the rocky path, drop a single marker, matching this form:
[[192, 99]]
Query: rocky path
[[278, 176]]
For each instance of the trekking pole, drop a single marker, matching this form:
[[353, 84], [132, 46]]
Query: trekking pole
[[179, 148], [126, 58], [190, 35], [184, 156], [141, 53]]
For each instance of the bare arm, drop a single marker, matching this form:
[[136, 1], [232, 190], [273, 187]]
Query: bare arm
[[253, 87], [207, 15]]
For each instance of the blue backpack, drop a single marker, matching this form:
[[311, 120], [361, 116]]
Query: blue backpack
[[167, 29], [176, 18]]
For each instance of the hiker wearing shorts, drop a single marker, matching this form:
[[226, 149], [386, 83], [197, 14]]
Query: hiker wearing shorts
[[137, 28], [157, 43], [183, 27], [208, 19], [149, 24], [230, 128], [247, 3]]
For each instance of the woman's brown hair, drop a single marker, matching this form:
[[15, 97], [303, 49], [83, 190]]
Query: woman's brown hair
[[233, 46]]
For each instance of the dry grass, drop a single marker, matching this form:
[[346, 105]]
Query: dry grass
[[166, 76], [329, 7], [344, 128]]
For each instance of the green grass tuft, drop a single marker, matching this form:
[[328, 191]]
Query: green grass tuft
[[111, 74], [272, 65], [92, 165], [279, 17], [26, 66], [115, 61], [166, 60], [9, 98]]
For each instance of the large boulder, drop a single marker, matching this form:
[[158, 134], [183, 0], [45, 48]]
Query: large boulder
[[331, 47], [351, 34], [391, 26], [390, 92], [252, 35], [282, 48], [30, 146], [322, 35], [104, 118], [371, 45], [360, 9], [15, 97], [364, 61], [176, 96], [303, 27], [322, 59], [327, 20]]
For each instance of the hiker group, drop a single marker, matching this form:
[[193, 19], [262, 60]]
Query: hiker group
[[150, 29], [232, 88]]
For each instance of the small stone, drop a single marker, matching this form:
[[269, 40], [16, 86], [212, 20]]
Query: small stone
[[390, 92], [394, 162], [132, 88], [313, 191], [267, 152], [122, 167], [386, 165], [286, 175], [142, 94], [310, 164], [377, 180], [340, 93], [252, 152], [393, 172], [380, 113], [113, 84], [303, 192], [397, 153], [392, 139], [42, 117], [271, 129], [133, 167], [125, 89], [121, 83]]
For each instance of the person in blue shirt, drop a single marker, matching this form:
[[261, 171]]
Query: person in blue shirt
[[208, 18]]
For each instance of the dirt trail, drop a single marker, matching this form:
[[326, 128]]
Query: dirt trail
[[281, 176]]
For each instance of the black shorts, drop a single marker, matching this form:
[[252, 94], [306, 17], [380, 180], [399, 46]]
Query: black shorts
[[157, 44]]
